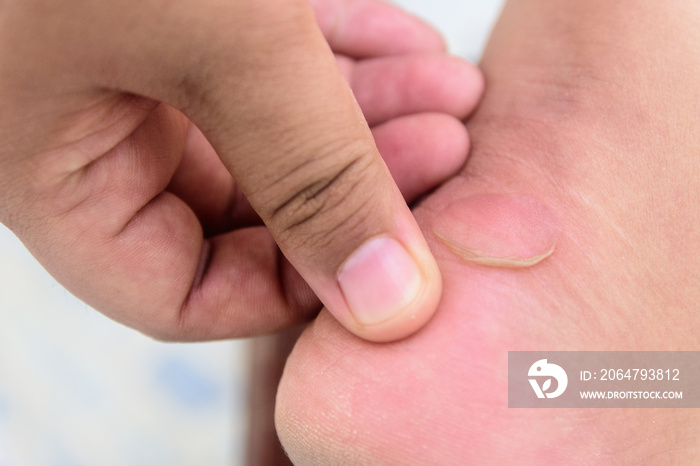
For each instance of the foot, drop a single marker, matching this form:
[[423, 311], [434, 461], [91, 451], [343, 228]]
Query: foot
[[573, 227]]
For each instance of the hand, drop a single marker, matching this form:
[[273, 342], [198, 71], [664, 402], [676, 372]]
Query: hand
[[574, 226], [108, 180]]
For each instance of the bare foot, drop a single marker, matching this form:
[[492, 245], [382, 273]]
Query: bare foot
[[574, 227]]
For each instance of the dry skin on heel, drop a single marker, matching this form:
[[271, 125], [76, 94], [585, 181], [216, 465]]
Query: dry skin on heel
[[498, 230]]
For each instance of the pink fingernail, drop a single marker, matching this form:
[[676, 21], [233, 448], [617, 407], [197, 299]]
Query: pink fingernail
[[379, 280]]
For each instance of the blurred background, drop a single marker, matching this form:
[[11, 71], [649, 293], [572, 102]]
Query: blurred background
[[78, 389]]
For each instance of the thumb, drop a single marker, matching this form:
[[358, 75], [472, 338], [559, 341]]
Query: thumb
[[286, 125]]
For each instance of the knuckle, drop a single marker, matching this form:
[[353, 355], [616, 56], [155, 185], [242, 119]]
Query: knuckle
[[265, 33], [325, 194]]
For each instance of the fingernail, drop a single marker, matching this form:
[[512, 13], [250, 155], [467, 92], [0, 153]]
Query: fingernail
[[379, 280]]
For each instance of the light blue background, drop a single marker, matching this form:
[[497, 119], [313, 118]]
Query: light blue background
[[78, 389]]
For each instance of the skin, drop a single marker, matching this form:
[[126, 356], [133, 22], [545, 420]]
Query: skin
[[591, 109], [180, 203], [207, 175]]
